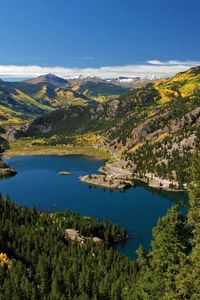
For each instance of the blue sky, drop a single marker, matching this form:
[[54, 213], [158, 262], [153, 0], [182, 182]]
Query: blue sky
[[98, 33]]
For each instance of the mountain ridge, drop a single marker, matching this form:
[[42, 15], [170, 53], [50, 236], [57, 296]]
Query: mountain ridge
[[49, 78], [24, 100], [156, 128]]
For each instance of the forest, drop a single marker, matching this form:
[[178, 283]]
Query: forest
[[38, 262]]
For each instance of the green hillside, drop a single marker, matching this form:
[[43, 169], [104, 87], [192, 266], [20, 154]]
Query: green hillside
[[22, 101], [155, 127], [98, 89]]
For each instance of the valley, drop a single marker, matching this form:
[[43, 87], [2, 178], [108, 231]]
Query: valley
[[99, 150], [152, 130], [132, 158], [21, 101]]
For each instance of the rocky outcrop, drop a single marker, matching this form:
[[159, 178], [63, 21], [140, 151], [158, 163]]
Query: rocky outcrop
[[114, 175], [106, 181], [74, 235], [5, 171]]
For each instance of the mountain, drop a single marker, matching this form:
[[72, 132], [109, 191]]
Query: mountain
[[97, 88], [22, 101], [16, 105], [155, 128], [104, 89], [49, 79], [129, 82]]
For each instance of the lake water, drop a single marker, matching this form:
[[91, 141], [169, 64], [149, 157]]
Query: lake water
[[38, 183]]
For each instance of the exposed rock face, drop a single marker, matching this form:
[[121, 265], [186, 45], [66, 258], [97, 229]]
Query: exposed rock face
[[143, 131], [162, 123]]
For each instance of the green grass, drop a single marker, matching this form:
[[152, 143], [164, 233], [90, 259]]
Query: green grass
[[28, 147]]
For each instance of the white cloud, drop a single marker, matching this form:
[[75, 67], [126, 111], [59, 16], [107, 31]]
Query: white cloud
[[151, 67], [174, 62]]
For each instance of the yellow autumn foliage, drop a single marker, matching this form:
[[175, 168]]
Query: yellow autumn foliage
[[137, 146], [182, 85], [161, 137], [4, 260], [188, 89], [88, 138]]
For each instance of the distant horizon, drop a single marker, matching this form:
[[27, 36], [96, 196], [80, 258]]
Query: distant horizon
[[150, 69]]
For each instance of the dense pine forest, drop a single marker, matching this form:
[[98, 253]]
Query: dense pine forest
[[171, 269], [40, 263], [37, 261]]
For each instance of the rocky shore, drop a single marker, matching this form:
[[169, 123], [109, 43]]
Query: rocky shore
[[119, 174], [106, 182], [5, 171], [160, 183], [113, 176]]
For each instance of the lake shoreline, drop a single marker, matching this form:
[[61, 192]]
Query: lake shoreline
[[158, 187], [84, 152], [58, 151], [38, 184], [24, 147]]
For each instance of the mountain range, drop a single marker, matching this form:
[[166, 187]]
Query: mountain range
[[21, 101], [155, 127]]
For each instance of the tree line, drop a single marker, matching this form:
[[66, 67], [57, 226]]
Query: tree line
[[38, 262]]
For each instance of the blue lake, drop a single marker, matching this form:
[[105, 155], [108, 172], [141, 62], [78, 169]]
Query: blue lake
[[38, 183]]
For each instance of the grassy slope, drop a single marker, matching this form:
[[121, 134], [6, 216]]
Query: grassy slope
[[20, 101], [149, 120], [38, 146]]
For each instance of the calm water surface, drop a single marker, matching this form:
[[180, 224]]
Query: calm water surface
[[38, 183]]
